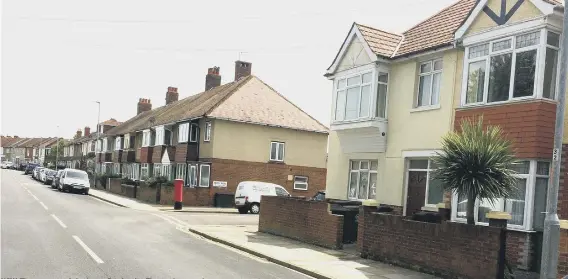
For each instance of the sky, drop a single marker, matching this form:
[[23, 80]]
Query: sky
[[60, 56]]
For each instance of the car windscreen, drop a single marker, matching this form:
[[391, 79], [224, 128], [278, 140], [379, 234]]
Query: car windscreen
[[77, 175]]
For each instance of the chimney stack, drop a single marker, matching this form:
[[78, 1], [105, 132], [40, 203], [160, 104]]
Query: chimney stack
[[172, 95], [212, 79], [242, 69], [87, 131], [143, 105], [78, 134]]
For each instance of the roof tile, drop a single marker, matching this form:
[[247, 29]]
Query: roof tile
[[381, 42]]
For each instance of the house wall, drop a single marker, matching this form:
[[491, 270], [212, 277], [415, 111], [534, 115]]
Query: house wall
[[249, 142], [483, 21], [206, 147]]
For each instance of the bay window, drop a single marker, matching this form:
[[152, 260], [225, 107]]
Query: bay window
[[194, 133], [204, 175], [183, 132], [117, 143], [506, 69], [362, 179], [526, 205], [159, 135], [157, 170], [207, 136], [146, 134], [180, 172], [144, 171], [354, 98], [126, 141], [105, 145], [192, 177]]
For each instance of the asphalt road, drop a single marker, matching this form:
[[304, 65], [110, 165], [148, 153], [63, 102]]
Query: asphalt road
[[48, 234]]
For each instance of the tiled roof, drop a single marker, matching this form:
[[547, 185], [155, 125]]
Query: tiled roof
[[436, 31], [111, 122], [246, 100], [381, 42], [6, 141], [258, 103]]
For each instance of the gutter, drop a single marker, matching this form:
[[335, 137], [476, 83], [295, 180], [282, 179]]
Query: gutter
[[269, 125]]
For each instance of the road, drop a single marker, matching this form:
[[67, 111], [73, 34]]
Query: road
[[48, 234]]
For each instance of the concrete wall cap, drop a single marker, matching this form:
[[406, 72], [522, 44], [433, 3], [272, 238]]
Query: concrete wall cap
[[564, 224], [498, 215], [442, 205], [370, 203]]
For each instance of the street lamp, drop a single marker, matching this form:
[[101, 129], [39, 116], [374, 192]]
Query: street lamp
[[97, 142], [57, 152]]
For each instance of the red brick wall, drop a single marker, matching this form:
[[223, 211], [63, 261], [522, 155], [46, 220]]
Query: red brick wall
[[234, 171], [307, 221], [449, 249], [181, 153], [146, 154], [520, 249], [530, 125], [191, 196], [146, 194], [157, 154], [563, 254], [128, 156]]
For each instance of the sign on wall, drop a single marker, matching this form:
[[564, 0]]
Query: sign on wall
[[220, 184]]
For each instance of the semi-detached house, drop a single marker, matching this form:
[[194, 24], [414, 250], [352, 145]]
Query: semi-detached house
[[239, 131], [396, 95]]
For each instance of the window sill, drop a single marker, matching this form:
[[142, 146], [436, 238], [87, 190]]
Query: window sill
[[296, 189], [276, 162], [429, 208], [425, 108], [486, 224], [509, 102]]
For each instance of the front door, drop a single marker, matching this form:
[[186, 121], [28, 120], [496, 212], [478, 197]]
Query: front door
[[416, 191]]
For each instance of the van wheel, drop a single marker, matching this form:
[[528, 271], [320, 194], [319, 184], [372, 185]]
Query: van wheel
[[243, 210], [255, 208]]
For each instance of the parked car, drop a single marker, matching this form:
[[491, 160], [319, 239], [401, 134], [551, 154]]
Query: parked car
[[319, 196], [30, 168], [35, 173], [7, 165], [73, 180], [248, 194], [56, 177], [49, 175], [43, 174]]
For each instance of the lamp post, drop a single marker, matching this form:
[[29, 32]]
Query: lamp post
[[57, 152], [97, 142], [551, 237]]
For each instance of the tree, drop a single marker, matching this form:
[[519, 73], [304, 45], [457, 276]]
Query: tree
[[475, 163], [58, 149]]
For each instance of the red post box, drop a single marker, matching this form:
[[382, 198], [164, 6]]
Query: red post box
[[178, 194]]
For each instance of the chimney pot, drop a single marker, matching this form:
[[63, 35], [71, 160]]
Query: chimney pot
[[242, 69], [172, 95], [143, 105], [87, 131], [212, 79]]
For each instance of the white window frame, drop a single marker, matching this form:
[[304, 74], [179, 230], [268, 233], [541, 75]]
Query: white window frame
[[166, 170], [183, 132], [126, 144], [207, 135], [360, 85], [370, 171], [275, 157], [157, 171], [160, 134], [545, 47], [540, 48], [192, 180], [194, 127], [529, 198], [144, 171], [431, 73], [146, 134], [201, 167], [429, 169], [118, 143], [105, 145], [116, 168], [181, 170], [297, 183]]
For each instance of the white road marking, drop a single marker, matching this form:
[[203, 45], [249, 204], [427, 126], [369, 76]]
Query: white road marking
[[89, 251], [44, 206], [33, 196], [58, 221]]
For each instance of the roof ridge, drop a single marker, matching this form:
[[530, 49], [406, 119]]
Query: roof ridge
[[384, 31], [397, 47], [437, 13], [286, 99]]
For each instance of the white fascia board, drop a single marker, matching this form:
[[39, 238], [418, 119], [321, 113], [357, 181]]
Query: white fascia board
[[505, 31], [354, 32], [461, 31]]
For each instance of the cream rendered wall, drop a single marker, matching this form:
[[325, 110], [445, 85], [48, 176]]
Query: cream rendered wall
[[526, 10], [354, 56], [206, 148], [249, 142]]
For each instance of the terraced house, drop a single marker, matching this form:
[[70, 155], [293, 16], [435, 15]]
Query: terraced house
[[79, 152], [242, 130], [396, 95]]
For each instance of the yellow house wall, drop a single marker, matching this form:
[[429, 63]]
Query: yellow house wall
[[527, 10], [249, 142]]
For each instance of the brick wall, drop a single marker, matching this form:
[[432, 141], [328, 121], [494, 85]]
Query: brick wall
[[307, 221], [146, 194], [563, 254], [451, 250], [146, 154], [396, 209], [520, 249], [529, 125], [234, 171], [113, 185], [157, 154], [127, 190], [116, 156], [191, 196]]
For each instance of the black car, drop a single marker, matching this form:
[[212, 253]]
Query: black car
[[30, 168], [49, 177]]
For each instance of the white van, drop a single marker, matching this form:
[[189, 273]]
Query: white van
[[247, 197]]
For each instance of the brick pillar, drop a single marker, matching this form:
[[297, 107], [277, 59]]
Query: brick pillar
[[499, 219], [562, 269], [365, 209]]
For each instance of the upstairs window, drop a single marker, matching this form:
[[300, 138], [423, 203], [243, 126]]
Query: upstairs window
[[146, 134], [353, 97], [105, 145], [207, 136], [194, 133], [159, 135], [117, 143], [277, 151], [126, 141], [508, 68], [429, 79], [183, 132]]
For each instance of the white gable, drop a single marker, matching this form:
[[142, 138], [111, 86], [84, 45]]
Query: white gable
[[166, 158], [354, 52]]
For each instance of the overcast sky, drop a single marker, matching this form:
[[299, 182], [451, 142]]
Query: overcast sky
[[58, 57]]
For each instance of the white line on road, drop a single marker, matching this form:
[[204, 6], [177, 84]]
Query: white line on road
[[58, 221], [89, 251], [44, 206], [33, 196]]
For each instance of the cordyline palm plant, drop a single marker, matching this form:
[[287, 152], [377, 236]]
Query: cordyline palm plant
[[476, 164]]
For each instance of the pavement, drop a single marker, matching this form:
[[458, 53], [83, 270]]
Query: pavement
[[49, 234]]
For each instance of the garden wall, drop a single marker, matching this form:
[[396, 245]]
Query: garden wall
[[447, 249], [307, 221]]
